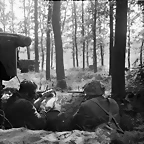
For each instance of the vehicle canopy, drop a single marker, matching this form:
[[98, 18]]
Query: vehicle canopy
[[8, 53]]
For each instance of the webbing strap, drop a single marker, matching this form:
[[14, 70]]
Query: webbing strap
[[108, 113]]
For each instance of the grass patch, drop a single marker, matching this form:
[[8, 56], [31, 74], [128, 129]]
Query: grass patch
[[76, 78]]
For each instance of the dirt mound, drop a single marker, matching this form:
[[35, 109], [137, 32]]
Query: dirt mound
[[24, 136]]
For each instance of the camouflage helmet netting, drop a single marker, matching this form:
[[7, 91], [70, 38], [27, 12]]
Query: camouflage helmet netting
[[95, 87]]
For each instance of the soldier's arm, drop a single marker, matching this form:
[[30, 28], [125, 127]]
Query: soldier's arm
[[44, 95], [35, 119], [82, 109], [37, 102], [80, 117]]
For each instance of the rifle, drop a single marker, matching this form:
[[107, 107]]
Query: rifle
[[81, 92], [46, 92]]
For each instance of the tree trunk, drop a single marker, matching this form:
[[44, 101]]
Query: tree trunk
[[13, 18], [73, 37], [118, 57], [36, 36], [77, 60], [12, 12], [61, 83], [141, 49], [73, 55], [101, 44], [52, 52], [28, 52], [48, 41], [129, 42], [63, 23], [87, 52], [102, 54], [3, 18], [42, 51], [83, 35], [111, 36], [129, 46], [18, 50], [94, 37], [87, 48], [25, 28]]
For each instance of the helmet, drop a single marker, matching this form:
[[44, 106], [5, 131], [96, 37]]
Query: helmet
[[27, 86], [94, 88]]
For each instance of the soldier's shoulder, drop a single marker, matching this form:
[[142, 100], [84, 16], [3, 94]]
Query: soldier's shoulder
[[86, 103], [23, 102], [112, 100]]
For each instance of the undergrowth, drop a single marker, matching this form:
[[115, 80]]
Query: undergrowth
[[76, 79]]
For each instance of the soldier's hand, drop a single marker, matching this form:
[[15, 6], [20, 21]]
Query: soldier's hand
[[47, 93]]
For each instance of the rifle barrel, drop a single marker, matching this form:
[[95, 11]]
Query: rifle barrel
[[75, 92]]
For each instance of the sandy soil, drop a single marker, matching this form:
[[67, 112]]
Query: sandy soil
[[24, 136]]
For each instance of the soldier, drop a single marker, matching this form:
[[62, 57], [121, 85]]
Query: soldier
[[22, 112], [96, 109]]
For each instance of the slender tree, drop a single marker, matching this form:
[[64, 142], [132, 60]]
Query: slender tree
[[73, 38], [65, 12], [83, 35], [25, 28], [12, 16], [52, 50], [3, 15], [87, 49], [141, 48], [42, 26], [111, 35], [76, 47], [88, 40], [36, 36], [100, 42], [87, 52], [61, 83], [94, 9], [141, 4], [48, 41], [118, 53]]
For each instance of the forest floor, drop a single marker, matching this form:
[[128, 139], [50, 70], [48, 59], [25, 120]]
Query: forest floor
[[76, 78]]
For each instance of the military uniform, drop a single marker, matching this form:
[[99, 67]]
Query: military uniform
[[96, 110], [90, 115], [19, 108], [22, 113]]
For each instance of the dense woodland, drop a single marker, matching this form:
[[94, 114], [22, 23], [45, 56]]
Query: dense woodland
[[97, 34], [89, 29]]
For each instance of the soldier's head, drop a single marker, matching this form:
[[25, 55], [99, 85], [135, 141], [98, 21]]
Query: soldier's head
[[28, 89], [94, 89]]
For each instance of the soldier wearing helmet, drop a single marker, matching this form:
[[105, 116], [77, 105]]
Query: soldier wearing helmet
[[96, 109], [23, 112], [28, 89]]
